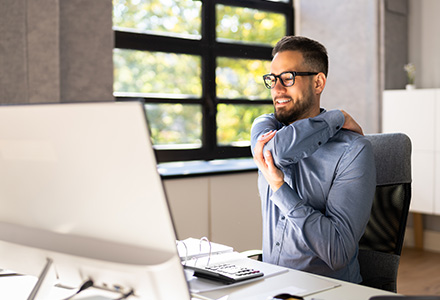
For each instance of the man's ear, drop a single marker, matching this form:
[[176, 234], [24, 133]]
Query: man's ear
[[320, 81]]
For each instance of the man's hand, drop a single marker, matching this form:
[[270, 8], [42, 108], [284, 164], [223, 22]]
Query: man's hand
[[350, 124], [264, 162]]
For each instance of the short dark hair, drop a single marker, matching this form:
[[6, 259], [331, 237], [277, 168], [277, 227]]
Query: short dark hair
[[314, 53]]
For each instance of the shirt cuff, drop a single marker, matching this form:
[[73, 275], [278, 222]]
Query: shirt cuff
[[334, 118]]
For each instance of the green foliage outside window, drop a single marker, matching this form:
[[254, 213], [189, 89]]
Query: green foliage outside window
[[249, 25], [241, 78], [177, 125], [163, 75], [157, 73], [234, 122], [169, 17]]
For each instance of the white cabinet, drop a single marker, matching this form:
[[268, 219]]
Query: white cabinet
[[188, 201], [236, 211], [416, 113], [437, 154], [224, 208]]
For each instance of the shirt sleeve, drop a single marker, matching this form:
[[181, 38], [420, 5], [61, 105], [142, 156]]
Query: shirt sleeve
[[298, 140], [333, 235]]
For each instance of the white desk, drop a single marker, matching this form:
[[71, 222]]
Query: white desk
[[260, 290], [19, 288], [349, 291]]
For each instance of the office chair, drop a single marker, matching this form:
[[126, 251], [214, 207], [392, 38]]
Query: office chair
[[381, 245]]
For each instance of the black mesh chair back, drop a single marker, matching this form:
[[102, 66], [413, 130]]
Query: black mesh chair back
[[381, 245]]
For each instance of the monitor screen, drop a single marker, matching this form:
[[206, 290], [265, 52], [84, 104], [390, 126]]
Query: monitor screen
[[79, 186]]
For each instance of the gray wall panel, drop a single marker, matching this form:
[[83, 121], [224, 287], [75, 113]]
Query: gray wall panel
[[86, 53], [43, 51], [13, 52], [56, 51]]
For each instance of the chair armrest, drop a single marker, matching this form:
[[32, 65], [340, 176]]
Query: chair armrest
[[254, 253]]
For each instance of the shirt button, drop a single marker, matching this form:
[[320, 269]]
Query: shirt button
[[283, 218], [337, 127], [278, 243], [319, 143]]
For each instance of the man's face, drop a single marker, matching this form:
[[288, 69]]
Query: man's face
[[298, 101]]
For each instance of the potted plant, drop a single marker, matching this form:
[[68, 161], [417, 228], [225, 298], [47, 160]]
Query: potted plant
[[410, 70]]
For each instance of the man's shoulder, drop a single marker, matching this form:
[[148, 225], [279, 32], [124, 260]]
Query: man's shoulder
[[351, 140], [350, 136]]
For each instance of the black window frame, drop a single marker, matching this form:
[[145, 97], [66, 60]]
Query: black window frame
[[208, 48]]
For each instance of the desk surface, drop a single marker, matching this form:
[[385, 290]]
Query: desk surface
[[19, 287], [286, 282]]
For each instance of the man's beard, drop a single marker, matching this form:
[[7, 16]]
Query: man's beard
[[300, 110]]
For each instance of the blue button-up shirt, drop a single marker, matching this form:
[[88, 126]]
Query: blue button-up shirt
[[315, 220]]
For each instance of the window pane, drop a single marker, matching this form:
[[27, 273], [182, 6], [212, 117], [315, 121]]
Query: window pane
[[167, 17], [241, 78], [234, 122], [175, 125], [248, 25], [157, 73]]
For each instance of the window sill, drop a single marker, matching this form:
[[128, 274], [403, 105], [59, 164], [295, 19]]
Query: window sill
[[203, 168]]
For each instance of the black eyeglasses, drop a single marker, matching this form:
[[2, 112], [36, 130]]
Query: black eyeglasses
[[287, 78]]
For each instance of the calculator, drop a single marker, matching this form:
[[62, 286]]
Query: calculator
[[226, 273]]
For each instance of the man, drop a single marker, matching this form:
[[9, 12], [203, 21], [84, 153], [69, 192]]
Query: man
[[316, 169]]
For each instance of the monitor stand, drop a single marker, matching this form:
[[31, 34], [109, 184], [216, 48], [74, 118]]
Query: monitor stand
[[45, 282]]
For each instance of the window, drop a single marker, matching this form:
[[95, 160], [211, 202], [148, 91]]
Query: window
[[197, 65]]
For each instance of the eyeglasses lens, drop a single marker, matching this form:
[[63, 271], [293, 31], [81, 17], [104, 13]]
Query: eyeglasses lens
[[288, 79], [270, 81]]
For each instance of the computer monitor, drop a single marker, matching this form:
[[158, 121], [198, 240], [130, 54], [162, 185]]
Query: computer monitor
[[80, 194]]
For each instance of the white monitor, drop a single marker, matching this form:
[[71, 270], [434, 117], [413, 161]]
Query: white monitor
[[79, 188]]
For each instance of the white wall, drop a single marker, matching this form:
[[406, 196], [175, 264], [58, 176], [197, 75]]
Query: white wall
[[424, 42]]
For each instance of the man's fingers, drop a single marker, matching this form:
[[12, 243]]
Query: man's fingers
[[264, 161], [268, 159], [351, 124], [258, 149], [264, 138]]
